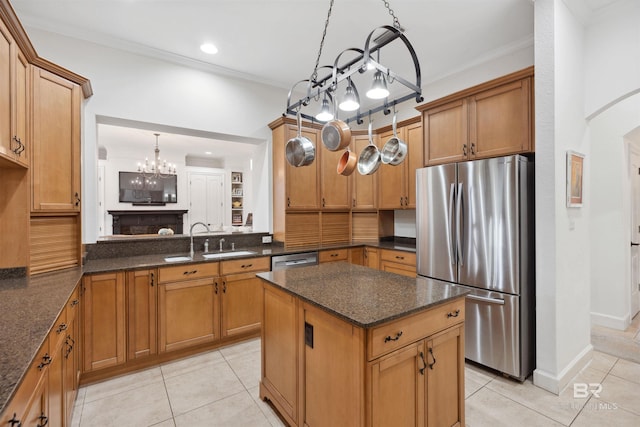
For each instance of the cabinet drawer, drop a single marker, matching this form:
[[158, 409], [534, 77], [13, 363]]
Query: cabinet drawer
[[401, 257], [245, 265], [333, 255], [396, 334], [188, 272]]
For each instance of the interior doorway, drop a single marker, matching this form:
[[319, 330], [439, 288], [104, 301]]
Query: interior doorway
[[634, 179], [206, 198]]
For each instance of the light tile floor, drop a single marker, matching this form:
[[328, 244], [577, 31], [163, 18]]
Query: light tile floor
[[220, 388]]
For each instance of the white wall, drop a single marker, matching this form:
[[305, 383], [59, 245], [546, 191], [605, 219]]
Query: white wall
[[148, 90], [610, 250], [562, 234], [612, 60]]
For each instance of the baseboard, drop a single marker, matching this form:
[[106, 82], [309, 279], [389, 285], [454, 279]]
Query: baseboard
[[612, 322], [556, 383]]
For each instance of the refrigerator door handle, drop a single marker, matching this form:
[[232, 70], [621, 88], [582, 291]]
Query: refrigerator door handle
[[488, 300], [452, 255], [459, 227]]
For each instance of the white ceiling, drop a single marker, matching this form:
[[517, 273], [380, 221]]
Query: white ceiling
[[276, 41]]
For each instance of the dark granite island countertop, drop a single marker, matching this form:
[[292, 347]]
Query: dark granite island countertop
[[362, 296]]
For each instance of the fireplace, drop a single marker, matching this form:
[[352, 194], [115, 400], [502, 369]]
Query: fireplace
[[146, 222]]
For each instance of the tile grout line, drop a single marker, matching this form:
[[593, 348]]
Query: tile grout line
[[166, 391]]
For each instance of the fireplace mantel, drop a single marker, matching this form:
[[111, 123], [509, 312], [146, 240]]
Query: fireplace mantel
[[146, 221]]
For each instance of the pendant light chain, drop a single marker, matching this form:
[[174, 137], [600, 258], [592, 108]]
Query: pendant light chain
[[396, 23], [314, 76]]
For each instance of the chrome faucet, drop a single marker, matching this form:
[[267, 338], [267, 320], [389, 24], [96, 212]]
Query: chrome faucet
[[191, 235], [221, 242]]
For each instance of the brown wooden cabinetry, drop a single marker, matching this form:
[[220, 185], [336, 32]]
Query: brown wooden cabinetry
[[241, 302], [371, 257], [333, 255], [397, 184], [142, 304], [188, 307], [335, 189], [14, 72], [302, 183], [399, 262], [104, 336], [489, 120]]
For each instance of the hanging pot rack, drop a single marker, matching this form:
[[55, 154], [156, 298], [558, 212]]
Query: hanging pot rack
[[328, 85]]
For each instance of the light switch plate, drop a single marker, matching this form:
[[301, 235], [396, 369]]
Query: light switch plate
[[266, 239]]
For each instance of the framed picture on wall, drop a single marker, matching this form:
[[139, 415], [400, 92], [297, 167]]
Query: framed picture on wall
[[575, 168]]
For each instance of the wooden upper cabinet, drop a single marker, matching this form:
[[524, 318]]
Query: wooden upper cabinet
[[56, 143], [335, 191], [445, 133], [489, 120], [302, 182], [14, 147], [364, 187], [397, 184], [500, 120]]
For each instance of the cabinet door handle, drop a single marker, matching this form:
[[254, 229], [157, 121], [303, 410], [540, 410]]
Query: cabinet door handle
[[75, 302], [151, 279], [464, 150], [43, 419], [396, 338], [354, 202], [399, 257], [433, 357], [77, 196], [323, 202], [400, 201], [62, 327], [46, 360], [13, 421], [288, 202], [453, 313], [224, 287], [473, 148], [406, 201], [190, 272], [424, 363]]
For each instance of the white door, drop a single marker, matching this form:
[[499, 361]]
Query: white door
[[206, 198], [634, 160]]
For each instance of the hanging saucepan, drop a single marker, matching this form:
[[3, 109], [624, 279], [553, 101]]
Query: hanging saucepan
[[394, 150], [369, 159], [336, 134], [300, 150], [347, 163]]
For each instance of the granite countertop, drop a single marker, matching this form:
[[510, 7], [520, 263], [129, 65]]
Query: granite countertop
[[360, 295], [29, 307]]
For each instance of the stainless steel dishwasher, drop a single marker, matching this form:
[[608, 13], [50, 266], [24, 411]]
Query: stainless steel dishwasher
[[303, 259]]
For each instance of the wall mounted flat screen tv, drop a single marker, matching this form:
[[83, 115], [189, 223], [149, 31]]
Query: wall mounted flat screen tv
[[136, 188]]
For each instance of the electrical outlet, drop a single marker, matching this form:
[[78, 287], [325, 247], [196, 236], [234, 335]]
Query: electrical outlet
[[266, 239]]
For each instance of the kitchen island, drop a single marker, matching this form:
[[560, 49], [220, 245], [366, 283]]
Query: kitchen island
[[343, 344]]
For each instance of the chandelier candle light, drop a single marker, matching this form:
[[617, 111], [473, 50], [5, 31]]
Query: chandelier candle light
[[157, 167]]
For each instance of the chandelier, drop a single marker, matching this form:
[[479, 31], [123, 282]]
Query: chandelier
[[157, 167], [325, 90]]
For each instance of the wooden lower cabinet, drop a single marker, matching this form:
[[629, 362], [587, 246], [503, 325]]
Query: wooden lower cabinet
[[48, 390], [142, 305], [320, 370], [241, 304], [371, 257], [333, 255], [356, 256], [103, 320], [399, 262]]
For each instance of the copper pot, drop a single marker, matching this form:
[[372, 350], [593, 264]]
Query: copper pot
[[347, 163]]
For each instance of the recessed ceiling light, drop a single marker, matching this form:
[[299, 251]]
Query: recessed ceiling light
[[208, 152], [209, 48]]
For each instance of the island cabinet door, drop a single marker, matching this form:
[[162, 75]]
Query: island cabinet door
[[334, 370], [279, 379], [445, 378], [397, 388]]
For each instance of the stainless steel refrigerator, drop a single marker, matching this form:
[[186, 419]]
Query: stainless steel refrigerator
[[474, 224]]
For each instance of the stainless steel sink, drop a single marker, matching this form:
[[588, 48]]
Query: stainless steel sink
[[216, 255], [177, 258]]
